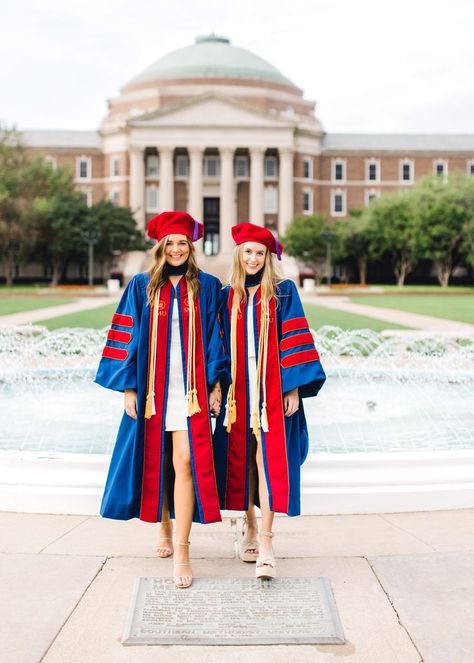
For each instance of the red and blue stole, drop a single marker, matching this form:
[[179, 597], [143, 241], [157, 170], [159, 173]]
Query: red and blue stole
[[199, 430], [274, 440]]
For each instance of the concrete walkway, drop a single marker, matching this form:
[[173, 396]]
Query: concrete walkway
[[403, 584], [30, 317], [414, 320]]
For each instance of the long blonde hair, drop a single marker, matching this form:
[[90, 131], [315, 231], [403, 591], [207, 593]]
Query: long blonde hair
[[156, 271], [268, 284], [268, 289]]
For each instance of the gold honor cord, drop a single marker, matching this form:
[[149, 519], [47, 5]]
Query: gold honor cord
[[193, 403], [255, 420], [231, 405], [150, 397]]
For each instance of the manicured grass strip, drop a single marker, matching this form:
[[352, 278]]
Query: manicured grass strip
[[435, 289], [93, 319], [10, 305], [319, 316], [450, 307]]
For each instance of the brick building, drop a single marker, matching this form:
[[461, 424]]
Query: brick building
[[218, 131]]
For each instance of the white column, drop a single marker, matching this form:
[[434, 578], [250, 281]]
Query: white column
[[285, 185], [227, 202], [166, 195], [195, 183], [137, 185], [256, 185]]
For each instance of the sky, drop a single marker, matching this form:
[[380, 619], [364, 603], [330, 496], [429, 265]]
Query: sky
[[370, 66]]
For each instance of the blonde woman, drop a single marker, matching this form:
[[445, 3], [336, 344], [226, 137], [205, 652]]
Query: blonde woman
[[164, 351], [261, 439]]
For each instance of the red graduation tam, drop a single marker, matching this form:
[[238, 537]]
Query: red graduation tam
[[174, 223], [249, 232]]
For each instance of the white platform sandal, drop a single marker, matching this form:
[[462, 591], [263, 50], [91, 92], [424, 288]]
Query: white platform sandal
[[266, 565], [183, 580], [248, 550]]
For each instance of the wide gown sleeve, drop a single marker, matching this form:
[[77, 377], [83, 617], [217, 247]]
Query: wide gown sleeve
[[216, 353], [299, 360], [118, 365]]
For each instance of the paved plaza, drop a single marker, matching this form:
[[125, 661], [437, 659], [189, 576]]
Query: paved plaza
[[403, 584]]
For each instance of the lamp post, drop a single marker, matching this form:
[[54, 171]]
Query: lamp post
[[328, 236], [90, 237]]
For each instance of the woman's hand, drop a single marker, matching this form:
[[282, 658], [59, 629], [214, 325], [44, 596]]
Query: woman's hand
[[131, 403], [291, 402], [215, 399]]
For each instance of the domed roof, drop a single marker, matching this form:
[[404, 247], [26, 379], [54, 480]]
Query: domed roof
[[211, 57]]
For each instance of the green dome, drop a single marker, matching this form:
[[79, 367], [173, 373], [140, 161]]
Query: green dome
[[211, 57]]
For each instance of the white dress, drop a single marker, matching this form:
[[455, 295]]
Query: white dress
[[251, 356], [177, 404]]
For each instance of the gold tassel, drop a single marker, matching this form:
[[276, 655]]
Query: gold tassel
[[193, 403]]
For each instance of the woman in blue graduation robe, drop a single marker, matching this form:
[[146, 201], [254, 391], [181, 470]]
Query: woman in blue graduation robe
[[274, 366], [165, 352]]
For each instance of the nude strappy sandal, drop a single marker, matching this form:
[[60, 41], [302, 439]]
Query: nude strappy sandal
[[165, 538], [182, 584], [266, 566], [246, 547]]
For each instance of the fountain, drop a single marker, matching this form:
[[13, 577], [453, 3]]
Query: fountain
[[392, 430]]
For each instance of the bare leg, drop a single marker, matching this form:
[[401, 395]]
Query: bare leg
[[265, 548], [184, 500], [164, 546], [250, 529]]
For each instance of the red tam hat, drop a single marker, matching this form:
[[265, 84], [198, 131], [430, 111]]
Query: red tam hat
[[178, 223], [249, 232]]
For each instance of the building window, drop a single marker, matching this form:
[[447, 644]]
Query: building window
[[51, 161], [270, 200], [83, 168], [241, 167], [470, 167], [307, 202], [270, 167], [407, 169], [212, 166], [152, 165], [87, 193], [370, 195], [308, 169], [372, 173], [440, 168], [338, 203], [114, 166], [338, 170], [181, 165], [114, 197], [152, 199]]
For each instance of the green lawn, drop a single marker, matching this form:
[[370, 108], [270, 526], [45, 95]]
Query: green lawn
[[9, 305], [96, 318], [319, 316], [435, 289], [451, 307]]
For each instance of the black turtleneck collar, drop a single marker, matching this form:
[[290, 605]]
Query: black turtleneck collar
[[175, 270], [253, 279]]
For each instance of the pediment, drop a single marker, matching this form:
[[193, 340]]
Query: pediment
[[211, 111]]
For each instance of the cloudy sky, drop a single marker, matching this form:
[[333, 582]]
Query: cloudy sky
[[371, 66]]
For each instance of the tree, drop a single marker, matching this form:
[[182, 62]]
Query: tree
[[394, 227], [116, 230], [13, 199], [60, 218], [446, 210], [355, 240], [303, 240]]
